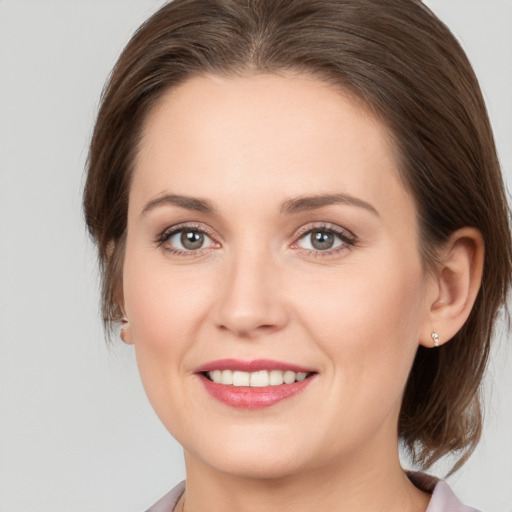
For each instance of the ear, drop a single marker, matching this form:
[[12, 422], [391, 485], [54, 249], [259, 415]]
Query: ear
[[455, 285], [124, 330], [125, 333]]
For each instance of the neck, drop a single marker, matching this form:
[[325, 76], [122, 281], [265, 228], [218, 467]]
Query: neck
[[350, 486]]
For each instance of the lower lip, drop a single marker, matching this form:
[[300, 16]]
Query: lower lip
[[246, 397]]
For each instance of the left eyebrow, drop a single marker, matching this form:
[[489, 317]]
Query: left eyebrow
[[186, 202], [312, 202]]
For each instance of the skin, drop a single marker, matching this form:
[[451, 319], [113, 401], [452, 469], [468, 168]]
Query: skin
[[258, 288]]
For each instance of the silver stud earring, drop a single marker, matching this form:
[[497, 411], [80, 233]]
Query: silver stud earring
[[435, 337]]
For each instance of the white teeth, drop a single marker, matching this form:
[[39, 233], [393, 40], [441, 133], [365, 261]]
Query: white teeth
[[289, 377], [241, 378], [227, 377], [276, 378], [259, 379]]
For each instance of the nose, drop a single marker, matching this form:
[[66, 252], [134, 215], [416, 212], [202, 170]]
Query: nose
[[251, 302]]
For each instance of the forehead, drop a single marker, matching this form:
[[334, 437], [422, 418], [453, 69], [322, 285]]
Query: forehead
[[294, 132]]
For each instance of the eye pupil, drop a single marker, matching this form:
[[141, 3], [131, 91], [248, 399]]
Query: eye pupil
[[192, 240], [322, 240]]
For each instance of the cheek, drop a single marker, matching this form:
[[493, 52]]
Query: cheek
[[163, 308], [368, 322], [367, 325], [163, 303], [363, 299]]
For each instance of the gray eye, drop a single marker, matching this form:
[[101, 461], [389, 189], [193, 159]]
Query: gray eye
[[192, 240], [189, 239], [320, 240]]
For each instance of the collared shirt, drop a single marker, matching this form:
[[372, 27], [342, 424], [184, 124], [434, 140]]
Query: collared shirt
[[443, 499]]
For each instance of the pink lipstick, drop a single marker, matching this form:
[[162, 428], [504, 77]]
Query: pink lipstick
[[253, 384]]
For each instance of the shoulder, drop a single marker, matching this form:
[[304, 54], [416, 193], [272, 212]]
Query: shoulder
[[443, 498], [168, 502]]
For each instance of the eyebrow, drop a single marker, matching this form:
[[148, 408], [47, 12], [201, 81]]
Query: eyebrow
[[313, 202], [289, 207], [189, 203]]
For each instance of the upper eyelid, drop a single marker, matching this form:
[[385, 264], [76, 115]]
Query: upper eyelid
[[305, 229], [190, 226], [327, 226]]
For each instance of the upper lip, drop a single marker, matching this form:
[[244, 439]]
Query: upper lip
[[254, 365]]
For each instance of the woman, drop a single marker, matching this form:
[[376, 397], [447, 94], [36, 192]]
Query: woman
[[303, 232]]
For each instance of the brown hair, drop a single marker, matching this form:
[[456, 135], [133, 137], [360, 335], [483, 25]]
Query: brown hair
[[404, 64]]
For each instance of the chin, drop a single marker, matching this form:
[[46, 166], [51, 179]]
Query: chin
[[263, 457], [272, 467]]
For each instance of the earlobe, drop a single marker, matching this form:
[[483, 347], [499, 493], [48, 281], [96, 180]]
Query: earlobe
[[457, 282], [124, 333], [124, 330]]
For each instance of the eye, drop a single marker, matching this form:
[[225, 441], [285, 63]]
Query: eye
[[186, 240], [325, 239], [320, 240]]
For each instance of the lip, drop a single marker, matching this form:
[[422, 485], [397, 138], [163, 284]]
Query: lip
[[247, 397], [254, 365]]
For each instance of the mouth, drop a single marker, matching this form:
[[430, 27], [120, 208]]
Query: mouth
[[253, 384], [258, 379]]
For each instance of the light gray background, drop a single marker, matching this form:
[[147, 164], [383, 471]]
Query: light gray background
[[76, 431]]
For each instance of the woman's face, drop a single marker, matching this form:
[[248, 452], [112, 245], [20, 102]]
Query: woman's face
[[269, 232]]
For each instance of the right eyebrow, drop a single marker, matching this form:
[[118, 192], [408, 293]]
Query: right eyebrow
[[189, 203], [313, 202]]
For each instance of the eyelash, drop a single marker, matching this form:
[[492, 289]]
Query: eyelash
[[169, 233], [347, 238]]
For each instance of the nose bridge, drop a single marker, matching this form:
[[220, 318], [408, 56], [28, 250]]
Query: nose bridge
[[250, 300]]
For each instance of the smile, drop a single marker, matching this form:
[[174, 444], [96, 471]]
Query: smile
[[253, 384], [259, 379]]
